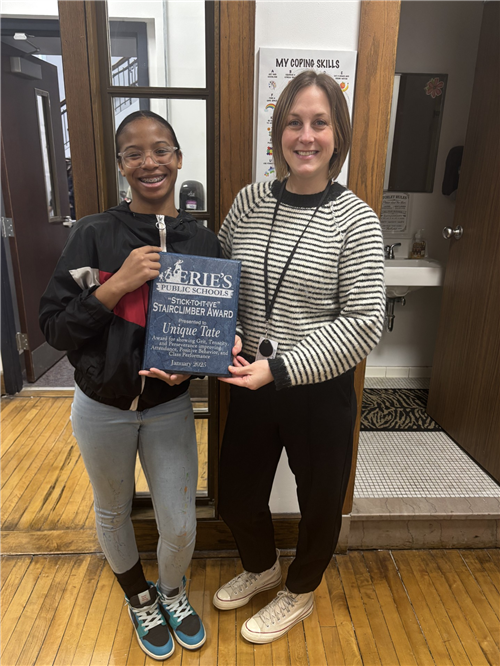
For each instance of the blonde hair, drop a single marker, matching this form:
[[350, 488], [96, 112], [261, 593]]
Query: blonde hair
[[339, 114]]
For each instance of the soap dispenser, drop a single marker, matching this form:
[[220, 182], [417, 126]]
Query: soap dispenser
[[418, 247]]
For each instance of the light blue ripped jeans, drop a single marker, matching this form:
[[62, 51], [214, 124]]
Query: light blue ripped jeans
[[109, 439]]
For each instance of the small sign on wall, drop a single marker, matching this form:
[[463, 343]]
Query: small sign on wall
[[276, 68], [394, 217]]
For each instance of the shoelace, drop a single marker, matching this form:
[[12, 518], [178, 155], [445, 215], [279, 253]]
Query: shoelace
[[243, 580], [180, 608], [277, 609], [150, 616]]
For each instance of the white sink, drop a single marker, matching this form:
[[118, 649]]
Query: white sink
[[405, 275]]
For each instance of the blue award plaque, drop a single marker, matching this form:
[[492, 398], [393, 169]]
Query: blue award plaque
[[192, 311]]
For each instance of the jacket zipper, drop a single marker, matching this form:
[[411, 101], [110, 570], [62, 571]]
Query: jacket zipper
[[161, 226]]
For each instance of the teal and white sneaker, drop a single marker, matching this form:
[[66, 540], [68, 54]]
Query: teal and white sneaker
[[184, 621], [150, 625]]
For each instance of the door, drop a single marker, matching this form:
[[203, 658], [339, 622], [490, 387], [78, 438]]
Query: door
[[464, 396], [35, 176]]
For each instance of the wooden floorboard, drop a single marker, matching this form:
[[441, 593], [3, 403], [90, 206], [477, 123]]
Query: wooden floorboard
[[421, 607], [343, 621], [409, 642], [69, 609], [358, 612], [61, 605], [454, 632], [383, 640], [20, 423], [44, 485], [483, 579]]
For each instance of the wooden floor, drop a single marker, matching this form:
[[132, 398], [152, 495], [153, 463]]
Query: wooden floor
[[413, 607], [45, 488], [376, 607]]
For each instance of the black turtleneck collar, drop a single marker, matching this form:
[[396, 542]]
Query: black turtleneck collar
[[305, 200]]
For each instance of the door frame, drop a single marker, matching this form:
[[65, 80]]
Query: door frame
[[376, 66]]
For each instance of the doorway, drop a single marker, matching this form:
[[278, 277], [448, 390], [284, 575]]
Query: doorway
[[445, 37], [37, 182]]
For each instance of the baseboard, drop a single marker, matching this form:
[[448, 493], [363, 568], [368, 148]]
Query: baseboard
[[214, 535], [397, 371], [40, 392], [424, 522], [422, 534]]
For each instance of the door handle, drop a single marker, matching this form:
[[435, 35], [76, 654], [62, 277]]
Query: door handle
[[457, 232], [62, 219]]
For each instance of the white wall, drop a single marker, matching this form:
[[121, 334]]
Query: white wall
[[30, 8], [302, 25], [434, 37]]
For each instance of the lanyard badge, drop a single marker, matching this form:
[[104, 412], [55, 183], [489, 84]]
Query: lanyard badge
[[267, 348]]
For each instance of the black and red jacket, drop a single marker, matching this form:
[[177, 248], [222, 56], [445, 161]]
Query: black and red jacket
[[106, 346]]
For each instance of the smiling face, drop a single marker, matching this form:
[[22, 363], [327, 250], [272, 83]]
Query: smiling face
[[152, 184], [307, 141]]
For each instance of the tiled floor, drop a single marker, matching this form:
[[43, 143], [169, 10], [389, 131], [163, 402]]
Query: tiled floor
[[397, 382], [416, 464]]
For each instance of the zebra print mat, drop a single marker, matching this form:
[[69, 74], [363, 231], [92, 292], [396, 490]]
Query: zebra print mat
[[396, 409]]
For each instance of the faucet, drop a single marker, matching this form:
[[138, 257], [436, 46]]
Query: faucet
[[389, 250]]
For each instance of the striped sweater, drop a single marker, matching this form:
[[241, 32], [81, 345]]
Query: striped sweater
[[329, 312]]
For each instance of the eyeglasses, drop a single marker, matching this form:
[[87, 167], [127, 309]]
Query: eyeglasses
[[133, 159]]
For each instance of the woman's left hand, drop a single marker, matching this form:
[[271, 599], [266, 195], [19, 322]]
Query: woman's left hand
[[170, 379], [249, 375]]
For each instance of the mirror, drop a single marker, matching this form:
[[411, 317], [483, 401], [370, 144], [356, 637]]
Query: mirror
[[416, 115]]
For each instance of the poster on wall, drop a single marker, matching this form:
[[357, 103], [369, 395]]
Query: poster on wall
[[395, 213], [276, 68]]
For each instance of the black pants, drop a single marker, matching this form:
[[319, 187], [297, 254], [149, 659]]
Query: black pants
[[315, 424]]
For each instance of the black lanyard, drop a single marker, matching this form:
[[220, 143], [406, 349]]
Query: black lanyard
[[271, 301]]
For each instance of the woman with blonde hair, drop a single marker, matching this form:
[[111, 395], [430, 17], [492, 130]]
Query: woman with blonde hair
[[311, 307]]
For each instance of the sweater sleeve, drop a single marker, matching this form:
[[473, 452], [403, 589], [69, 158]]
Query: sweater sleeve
[[226, 234], [70, 314], [334, 348]]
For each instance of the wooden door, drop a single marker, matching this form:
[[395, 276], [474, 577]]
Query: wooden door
[[464, 396], [35, 188]]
